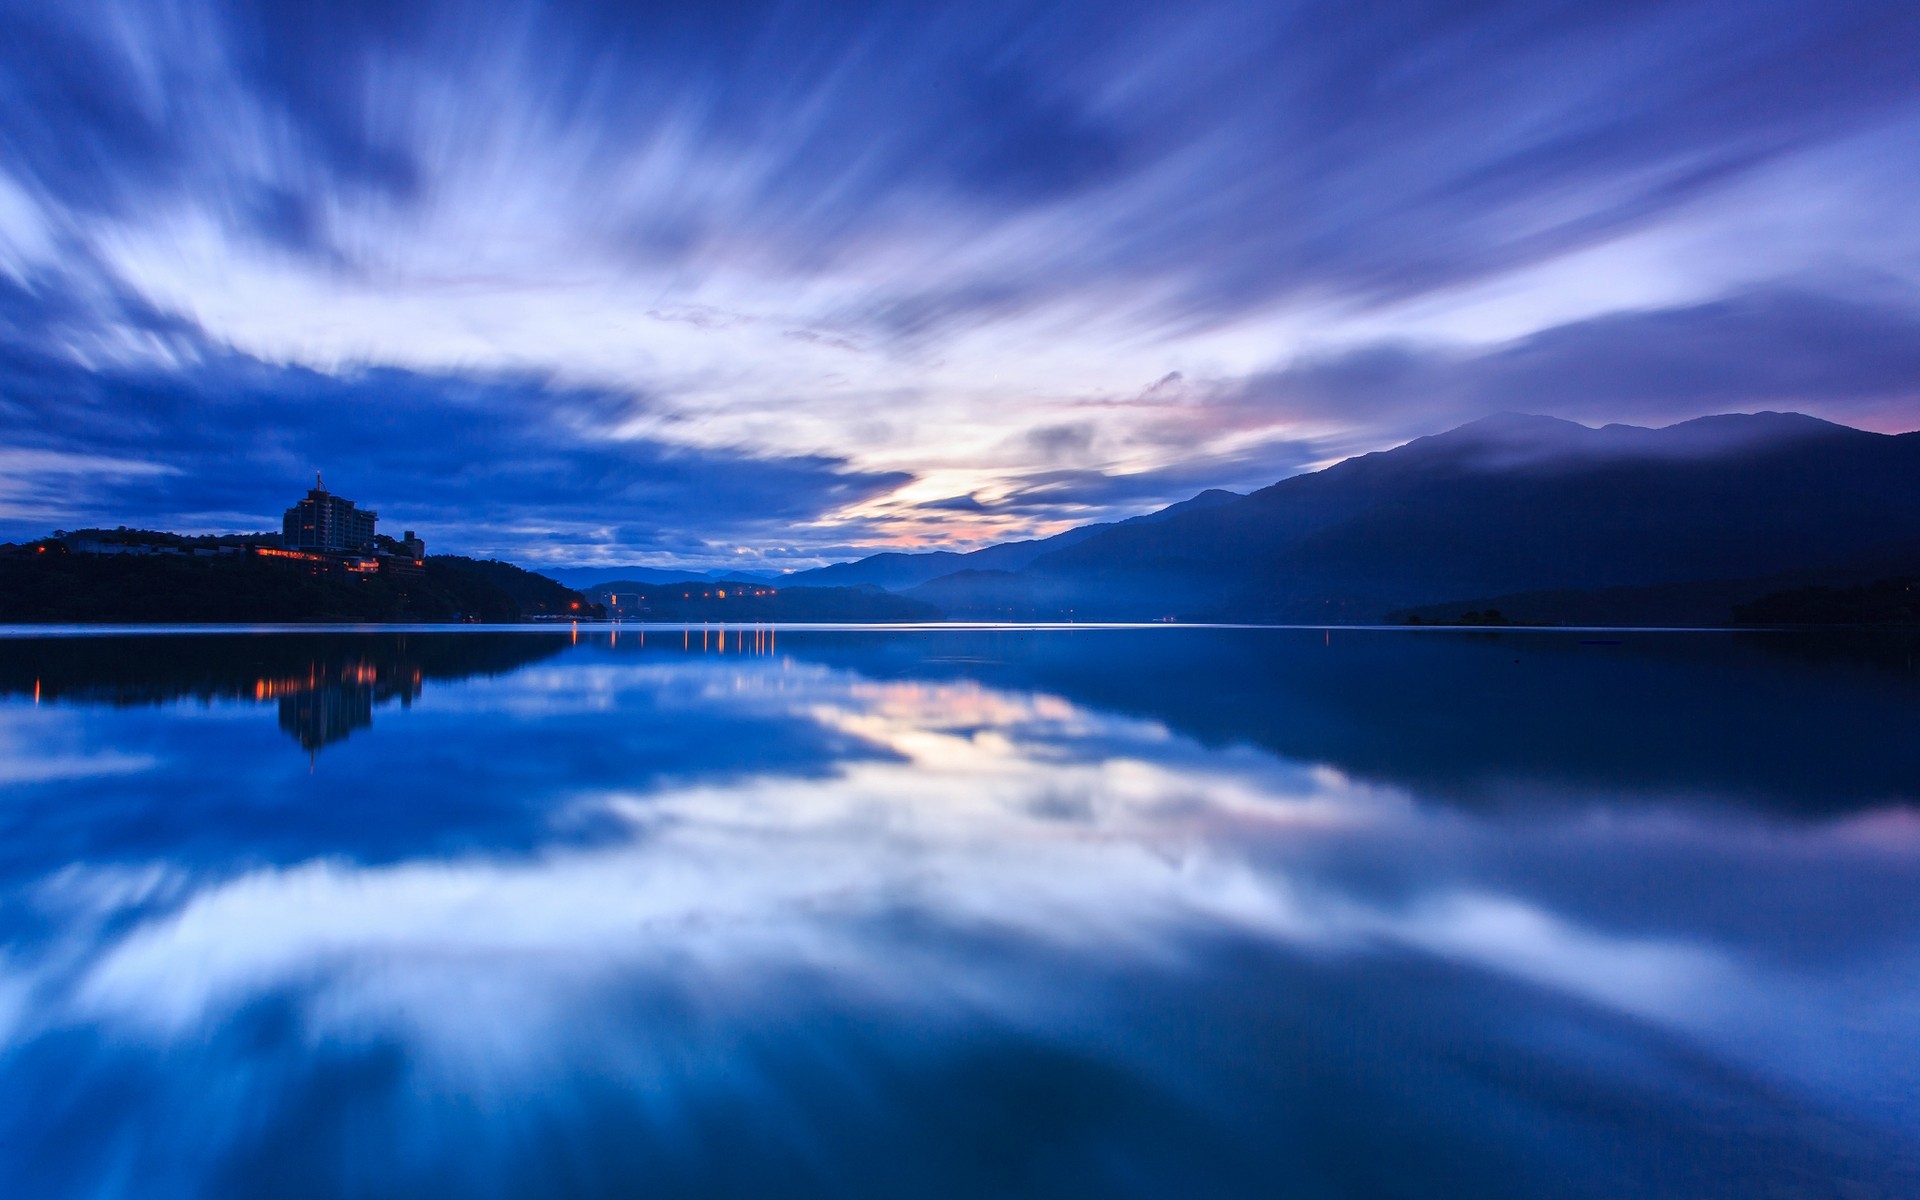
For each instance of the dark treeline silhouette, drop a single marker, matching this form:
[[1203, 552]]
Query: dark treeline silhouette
[[53, 586], [1882, 602], [532, 593]]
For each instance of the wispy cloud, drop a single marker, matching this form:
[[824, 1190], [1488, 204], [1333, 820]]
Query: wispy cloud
[[495, 463], [924, 241], [1852, 359]]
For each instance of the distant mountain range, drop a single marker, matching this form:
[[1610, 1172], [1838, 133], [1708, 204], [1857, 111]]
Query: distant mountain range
[[747, 601], [1542, 519], [1690, 520], [893, 570], [898, 570], [584, 578]]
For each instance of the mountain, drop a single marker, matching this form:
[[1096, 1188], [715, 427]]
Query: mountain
[[1211, 498], [584, 578], [897, 570], [1509, 505], [748, 601], [893, 570]]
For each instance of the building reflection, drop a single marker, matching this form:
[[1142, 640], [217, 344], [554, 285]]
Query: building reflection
[[326, 715], [325, 686], [334, 699]]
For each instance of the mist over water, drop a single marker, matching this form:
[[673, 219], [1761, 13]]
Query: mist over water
[[959, 912]]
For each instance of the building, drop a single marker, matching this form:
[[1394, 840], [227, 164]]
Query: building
[[328, 523]]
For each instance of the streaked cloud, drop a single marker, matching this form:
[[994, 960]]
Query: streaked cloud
[[917, 244], [1846, 358]]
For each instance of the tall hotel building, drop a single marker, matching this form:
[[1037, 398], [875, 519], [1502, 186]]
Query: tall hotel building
[[324, 521]]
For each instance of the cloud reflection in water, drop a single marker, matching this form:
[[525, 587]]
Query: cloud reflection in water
[[986, 939]]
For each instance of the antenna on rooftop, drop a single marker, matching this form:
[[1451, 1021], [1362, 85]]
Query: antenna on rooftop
[[319, 481]]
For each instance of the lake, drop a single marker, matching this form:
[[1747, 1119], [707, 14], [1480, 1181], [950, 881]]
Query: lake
[[959, 912]]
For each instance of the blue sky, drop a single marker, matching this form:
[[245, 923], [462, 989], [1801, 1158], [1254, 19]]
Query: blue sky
[[759, 284]]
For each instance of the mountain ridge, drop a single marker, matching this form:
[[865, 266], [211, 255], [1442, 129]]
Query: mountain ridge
[[895, 569], [1509, 504]]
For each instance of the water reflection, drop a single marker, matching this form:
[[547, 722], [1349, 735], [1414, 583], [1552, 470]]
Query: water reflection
[[326, 685], [964, 913], [1796, 722]]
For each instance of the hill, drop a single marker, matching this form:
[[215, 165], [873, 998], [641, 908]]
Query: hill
[[1881, 602], [898, 570], [54, 586], [533, 594], [1509, 505]]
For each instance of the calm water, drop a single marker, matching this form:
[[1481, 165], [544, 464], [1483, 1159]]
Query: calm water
[[1155, 912]]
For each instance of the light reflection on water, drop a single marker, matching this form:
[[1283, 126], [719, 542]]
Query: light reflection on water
[[958, 913]]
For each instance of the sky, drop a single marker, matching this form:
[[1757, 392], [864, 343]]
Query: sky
[[762, 285]]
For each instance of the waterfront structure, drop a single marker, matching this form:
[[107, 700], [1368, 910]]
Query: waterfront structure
[[328, 523]]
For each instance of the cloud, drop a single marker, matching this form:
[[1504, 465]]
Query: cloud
[[838, 244], [807, 892], [777, 871], [817, 338], [1055, 442], [1240, 151], [964, 504], [1843, 358], [1105, 494], [480, 462], [1755, 349]]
